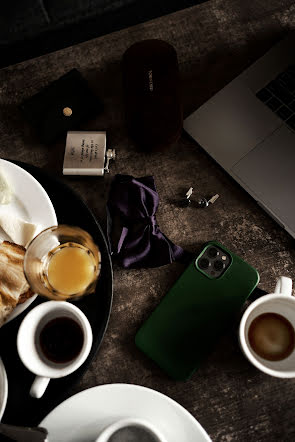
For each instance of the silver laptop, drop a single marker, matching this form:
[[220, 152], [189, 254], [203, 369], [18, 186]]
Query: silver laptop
[[249, 129]]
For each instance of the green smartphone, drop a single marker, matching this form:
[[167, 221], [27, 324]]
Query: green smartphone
[[184, 327]]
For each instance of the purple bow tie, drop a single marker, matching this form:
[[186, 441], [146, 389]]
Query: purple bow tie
[[133, 233]]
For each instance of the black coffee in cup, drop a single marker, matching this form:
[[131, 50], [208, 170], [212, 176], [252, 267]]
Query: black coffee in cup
[[132, 433], [271, 336], [61, 339]]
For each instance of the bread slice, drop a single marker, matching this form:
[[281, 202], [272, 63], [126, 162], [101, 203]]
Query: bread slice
[[13, 284], [5, 310]]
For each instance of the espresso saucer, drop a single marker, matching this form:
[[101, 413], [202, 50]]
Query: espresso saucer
[[82, 417]]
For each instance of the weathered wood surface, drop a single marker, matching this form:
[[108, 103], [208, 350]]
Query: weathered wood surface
[[214, 41]]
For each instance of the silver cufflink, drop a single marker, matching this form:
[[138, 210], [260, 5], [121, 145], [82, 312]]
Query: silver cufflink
[[185, 202], [204, 202]]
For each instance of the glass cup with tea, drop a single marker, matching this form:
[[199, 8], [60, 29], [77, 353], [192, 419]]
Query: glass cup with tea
[[62, 262], [267, 331]]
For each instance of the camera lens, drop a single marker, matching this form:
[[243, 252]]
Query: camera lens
[[204, 263], [212, 252], [218, 265]]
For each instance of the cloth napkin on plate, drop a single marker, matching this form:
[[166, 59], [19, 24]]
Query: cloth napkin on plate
[[133, 233]]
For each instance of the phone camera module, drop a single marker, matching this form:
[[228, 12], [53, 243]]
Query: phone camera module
[[213, 261], [212, 252], [204, 263], [218, 265]]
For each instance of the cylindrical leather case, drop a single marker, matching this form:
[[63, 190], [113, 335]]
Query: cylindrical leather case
[[152, 94]]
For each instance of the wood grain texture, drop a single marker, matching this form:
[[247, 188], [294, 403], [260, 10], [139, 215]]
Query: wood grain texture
[[214, 41]]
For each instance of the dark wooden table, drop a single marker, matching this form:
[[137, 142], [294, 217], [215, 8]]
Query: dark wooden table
[[214, 41]]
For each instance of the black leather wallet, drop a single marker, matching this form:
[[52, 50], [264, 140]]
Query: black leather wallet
[[61, 106]]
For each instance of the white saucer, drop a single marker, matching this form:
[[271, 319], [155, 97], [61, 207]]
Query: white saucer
[[31, 203], [83, 416], [3, 388]]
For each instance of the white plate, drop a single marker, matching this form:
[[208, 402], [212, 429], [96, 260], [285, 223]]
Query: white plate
[[31, 203], [83, 416], [3, 388]]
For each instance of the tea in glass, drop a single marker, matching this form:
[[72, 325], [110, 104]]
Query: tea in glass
[[62, 262]]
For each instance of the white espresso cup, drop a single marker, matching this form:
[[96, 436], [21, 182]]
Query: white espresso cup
[[127, 423], [283, 303], [29, 347]]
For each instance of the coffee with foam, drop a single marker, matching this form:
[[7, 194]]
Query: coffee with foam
[[271, 336]]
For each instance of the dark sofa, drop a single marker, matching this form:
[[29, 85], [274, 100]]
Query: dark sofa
[[34, 27]]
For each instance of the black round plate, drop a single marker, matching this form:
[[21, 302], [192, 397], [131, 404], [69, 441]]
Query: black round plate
[[21, 409]]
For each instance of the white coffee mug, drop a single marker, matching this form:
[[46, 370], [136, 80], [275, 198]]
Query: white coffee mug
[[109, 431], [28, 343], [283, 303]]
